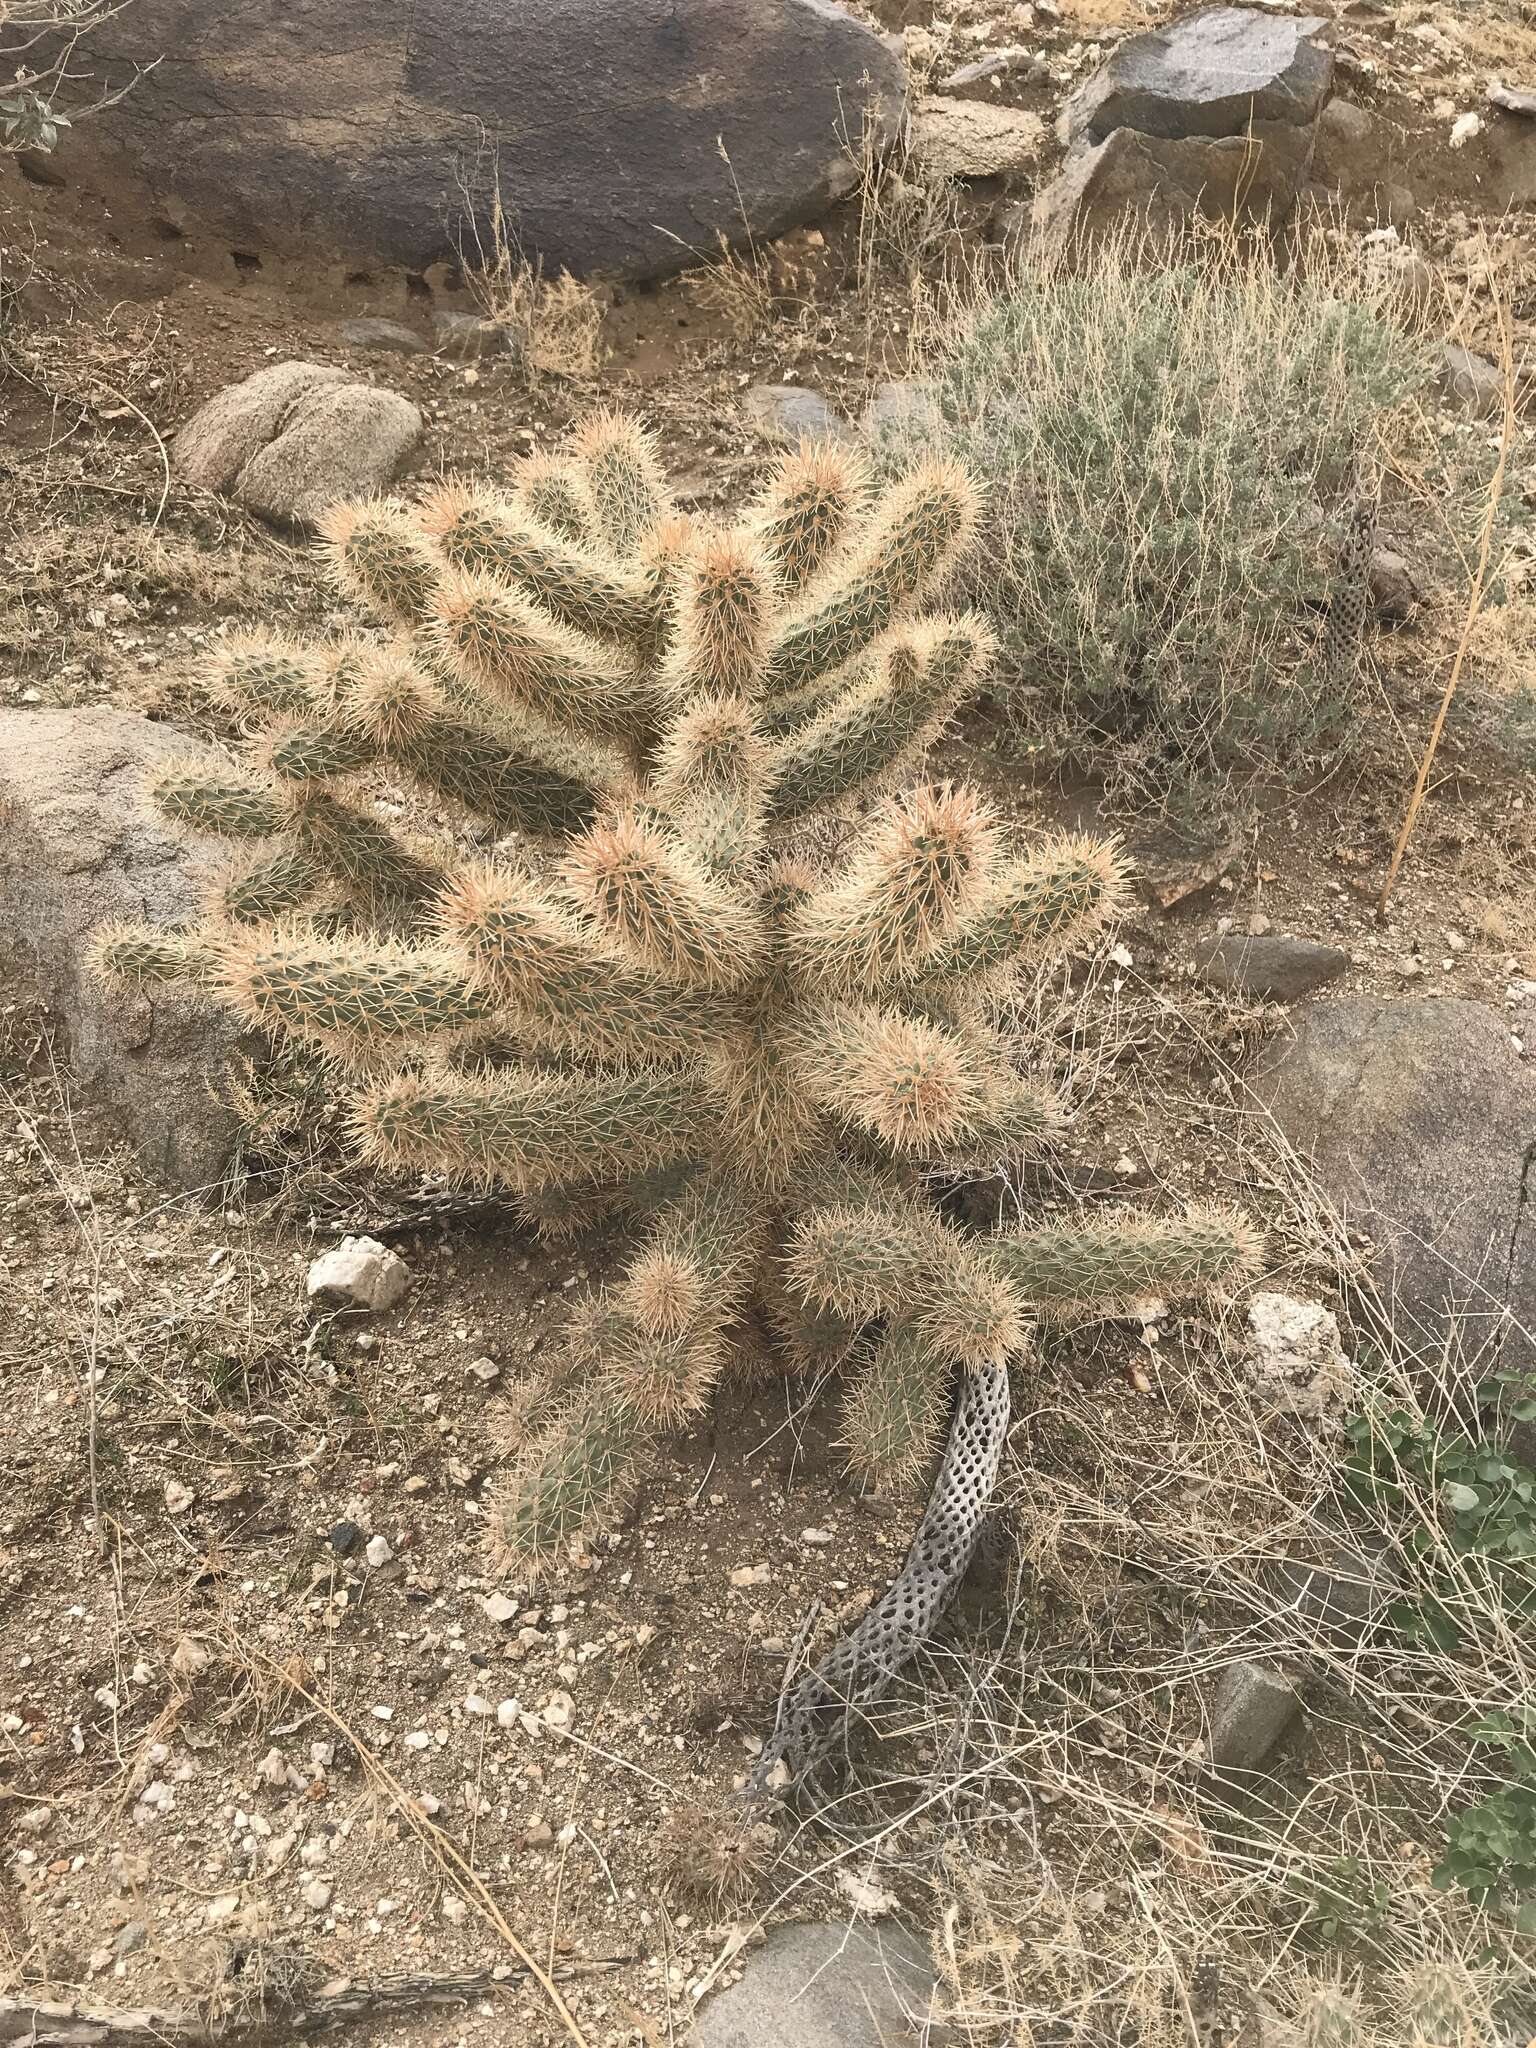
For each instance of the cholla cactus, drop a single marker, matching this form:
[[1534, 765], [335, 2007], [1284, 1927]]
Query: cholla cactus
[[717, 968]]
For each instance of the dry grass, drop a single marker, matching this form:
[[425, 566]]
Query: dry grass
[[554, 325], [1093, 1878], [736, 289]]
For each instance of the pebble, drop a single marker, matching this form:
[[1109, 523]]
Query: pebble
[[508, 1713], [130, 1938], [346, 1539], [816, 1536], [559, 1710], [455, 1912], [317, 1895], [358, 1273], [178, 1498], [378, 1551], [498, 1607], [225, 1907], [388, 335]]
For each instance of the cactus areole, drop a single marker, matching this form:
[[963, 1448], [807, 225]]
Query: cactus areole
[[727, 967]]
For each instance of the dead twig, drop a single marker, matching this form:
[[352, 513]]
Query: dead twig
[[1474, 597]]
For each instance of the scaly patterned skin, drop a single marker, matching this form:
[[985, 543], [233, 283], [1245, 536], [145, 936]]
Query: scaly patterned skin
[[756, 1051]]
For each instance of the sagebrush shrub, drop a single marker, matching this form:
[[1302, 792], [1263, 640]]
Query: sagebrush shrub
[[1169, 455], [717, 971]]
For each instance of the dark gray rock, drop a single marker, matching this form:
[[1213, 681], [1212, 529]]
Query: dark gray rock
[[1420, 1120], [825, 1985], [1215, 114], [1277, 969], [469, 336], [1513, 99], [388, 336], [1342, 126], [295, 437], [627, 133], [982, 79], [1470, 382], [79, 848], [1251, 1708], [1339, 1596], [1220, 71], [790, 413]]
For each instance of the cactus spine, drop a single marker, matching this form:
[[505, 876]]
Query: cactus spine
[[664, 1002]]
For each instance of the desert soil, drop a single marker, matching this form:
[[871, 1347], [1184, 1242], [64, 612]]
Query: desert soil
[[216, 1716]]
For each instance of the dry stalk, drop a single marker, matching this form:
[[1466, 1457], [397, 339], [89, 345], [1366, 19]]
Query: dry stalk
[[1474, 596]]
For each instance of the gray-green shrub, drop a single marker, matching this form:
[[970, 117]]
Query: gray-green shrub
[[1170, 454]]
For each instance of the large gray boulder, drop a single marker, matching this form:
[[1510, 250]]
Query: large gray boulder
[[1215, 114], [1220, 71], [294, 438], [79, 848], [825, 1985], [626, 133], [1420, 1118]]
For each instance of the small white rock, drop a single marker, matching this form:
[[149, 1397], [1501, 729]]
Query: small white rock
[[378, 1551], [816, 1537], [222, 1908], [477, 1706], [455, 1912], [498, 1607], [507, 1713], [317, 1895], [358, 1273], [178, 1498], [559, 1710]]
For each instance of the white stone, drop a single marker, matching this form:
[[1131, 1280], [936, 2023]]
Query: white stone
[[498, 1607], [1295, 1357], [317, 1895], [222, 1908], [178, 1498], [508, 1713], [378, 1551], [455, 1911], [358, 1273]]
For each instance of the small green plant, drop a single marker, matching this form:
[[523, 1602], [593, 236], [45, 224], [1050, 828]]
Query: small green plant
[[1490, 1847], [1345, 1905], [39, 42], [1485, 1517], [664, 991], [1172, 458], [1462, 1504]]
